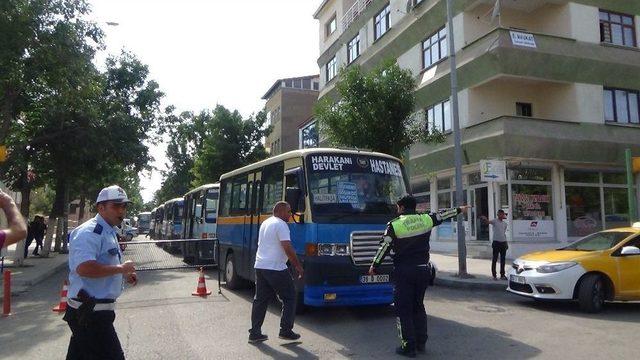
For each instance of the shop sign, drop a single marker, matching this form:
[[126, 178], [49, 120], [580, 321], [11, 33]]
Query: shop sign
[[523, 39], [493, 170], [533, 229], [530, 205]]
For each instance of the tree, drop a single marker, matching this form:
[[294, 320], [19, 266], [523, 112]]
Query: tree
[[373, 111], [186, 133], [230, 143]]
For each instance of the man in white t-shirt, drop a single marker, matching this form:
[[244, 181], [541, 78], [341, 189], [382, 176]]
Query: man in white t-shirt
[[273, 276], [499, 244]]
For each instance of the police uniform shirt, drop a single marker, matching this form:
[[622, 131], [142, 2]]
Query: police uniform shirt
[[94, 240]]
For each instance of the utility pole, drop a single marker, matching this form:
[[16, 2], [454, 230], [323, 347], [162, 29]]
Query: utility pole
[[462, 246]]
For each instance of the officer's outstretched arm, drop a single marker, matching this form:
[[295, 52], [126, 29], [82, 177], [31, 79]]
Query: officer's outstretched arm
[[446, 214], [383, 250]]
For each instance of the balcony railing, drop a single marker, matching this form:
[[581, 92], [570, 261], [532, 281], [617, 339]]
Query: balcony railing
[[356, 9]]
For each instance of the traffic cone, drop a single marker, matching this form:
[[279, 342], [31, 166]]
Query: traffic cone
[[201, 290], [62, 307]]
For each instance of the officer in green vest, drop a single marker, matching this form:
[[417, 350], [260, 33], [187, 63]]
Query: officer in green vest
[[408, 236]]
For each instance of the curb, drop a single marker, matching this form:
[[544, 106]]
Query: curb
[[21, 286], [450, 281]]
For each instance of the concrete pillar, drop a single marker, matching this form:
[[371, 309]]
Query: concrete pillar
[[559, 207], [433, 183]]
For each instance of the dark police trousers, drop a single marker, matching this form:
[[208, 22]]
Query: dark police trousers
[[499, 248], [96, 339], [410, 285], [270, 283]]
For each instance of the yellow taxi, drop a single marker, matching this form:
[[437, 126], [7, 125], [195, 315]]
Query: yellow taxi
[[604, 266]]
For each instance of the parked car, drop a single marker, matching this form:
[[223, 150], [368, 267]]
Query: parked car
[[604, 266], [126, 231]]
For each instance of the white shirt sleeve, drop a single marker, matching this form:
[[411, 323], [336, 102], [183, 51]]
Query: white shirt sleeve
[[282, 232]]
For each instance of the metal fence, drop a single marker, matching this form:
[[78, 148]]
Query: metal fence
[[171, 254]]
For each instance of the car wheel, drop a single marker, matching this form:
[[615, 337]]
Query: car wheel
[[592, 294], [231, 274]]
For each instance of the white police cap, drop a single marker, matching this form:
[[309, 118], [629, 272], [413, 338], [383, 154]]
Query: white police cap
[[113, 193]]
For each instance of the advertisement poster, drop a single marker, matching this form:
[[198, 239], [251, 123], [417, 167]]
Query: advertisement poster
[[533, 229]]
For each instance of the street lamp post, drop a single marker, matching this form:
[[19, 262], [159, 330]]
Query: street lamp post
[[462, 247]]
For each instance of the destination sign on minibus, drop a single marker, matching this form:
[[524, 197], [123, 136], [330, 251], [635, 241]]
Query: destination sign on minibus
[[354, 163]]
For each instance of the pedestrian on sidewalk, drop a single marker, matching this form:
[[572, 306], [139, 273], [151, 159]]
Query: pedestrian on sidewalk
[[17, 227], [499, 243], [408, 236], [273, 276], [96, 280], [39, 230], [35, 231]]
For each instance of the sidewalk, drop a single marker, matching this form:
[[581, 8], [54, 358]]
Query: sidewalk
[[480, 269], [35, 270]]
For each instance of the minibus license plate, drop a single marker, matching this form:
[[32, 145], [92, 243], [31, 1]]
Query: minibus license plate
[[367, 279]]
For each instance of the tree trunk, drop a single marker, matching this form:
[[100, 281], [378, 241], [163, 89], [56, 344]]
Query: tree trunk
[[57, 212], [25, 193], [65, 226], [83, 201], [49, 239]]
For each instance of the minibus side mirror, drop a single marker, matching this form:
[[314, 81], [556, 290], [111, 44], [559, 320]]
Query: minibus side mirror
[[292, 196]]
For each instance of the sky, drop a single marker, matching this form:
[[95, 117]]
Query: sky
[[209, 52]]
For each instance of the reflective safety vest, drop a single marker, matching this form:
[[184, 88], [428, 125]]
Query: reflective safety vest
[[408, 236]]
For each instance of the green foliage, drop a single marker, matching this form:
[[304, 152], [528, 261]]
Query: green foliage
[[41, 200], [230, 143], [77, 128], [373, 111]]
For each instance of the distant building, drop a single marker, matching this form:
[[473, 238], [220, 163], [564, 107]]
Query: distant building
[[289, 108]]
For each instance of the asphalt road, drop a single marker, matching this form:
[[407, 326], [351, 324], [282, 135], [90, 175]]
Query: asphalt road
[[159, 319]]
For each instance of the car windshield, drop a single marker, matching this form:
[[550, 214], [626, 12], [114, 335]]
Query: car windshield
[[354, 187], [599, 241]]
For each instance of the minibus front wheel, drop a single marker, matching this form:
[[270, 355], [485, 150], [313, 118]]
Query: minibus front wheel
[[231, 276]]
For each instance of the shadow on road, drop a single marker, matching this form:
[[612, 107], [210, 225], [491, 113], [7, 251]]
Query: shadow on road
[[274, 353], [372, 333], [620, 311]]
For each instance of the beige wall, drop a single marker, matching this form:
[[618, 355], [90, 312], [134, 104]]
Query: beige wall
[[585, 23], [297, 108], [570, 20], [331, 8], [554, 101], [274, 102]]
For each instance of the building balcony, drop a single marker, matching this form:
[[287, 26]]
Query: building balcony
[[513, 137], [353, 12]]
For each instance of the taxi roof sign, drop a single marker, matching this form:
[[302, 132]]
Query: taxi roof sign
[[3, 153], [635, 165]]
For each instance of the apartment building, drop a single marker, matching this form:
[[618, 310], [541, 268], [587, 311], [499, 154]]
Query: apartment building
[[290, 110], [547, 87]]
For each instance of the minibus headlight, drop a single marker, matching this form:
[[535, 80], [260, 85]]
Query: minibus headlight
[[325, 249]]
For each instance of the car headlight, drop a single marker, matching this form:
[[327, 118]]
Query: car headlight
[[555, 267], [328, 249]]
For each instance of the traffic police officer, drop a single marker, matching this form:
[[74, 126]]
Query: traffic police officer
[[408, 236], [96, 280]]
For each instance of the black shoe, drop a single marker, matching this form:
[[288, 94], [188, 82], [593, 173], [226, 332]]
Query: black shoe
[[405, 352], [288, 335], [421, 348], [502, 277], [256, 338]]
